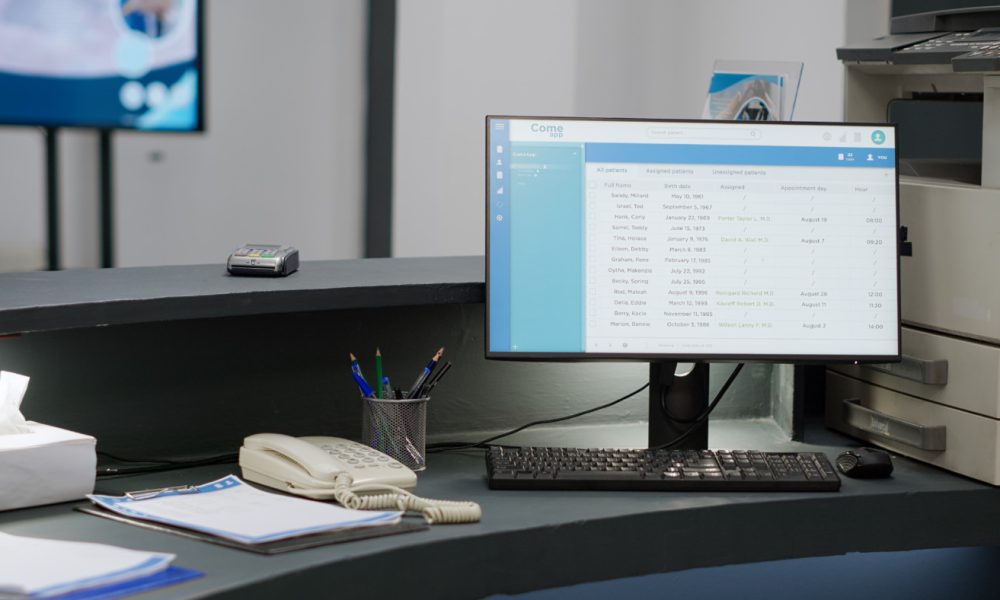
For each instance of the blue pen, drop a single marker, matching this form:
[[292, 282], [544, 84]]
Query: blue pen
[[366, 389], [423, 374], [386, 388], [355, 367]]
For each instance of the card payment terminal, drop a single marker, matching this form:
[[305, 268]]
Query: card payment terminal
[[266, 260]]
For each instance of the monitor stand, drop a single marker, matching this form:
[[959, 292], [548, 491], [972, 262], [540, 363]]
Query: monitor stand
[[675, 401]]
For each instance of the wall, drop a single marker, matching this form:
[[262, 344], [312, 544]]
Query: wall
[[455, 63], [22, 200], [282, 160], [286, 111], [458, 61]]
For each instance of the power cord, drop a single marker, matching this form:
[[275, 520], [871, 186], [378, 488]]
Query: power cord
[[449, 446], [697, 421], [154, 465]]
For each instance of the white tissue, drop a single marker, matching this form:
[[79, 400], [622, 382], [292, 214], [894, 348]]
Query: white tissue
[[12, 389]]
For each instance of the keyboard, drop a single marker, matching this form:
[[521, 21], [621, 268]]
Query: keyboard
[[538, 468]]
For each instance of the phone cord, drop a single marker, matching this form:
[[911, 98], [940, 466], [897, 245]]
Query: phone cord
[[433, 511]]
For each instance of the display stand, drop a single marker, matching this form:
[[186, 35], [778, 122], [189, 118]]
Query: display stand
[[105, 191], [105, 166], [51, 135], [676, 401]]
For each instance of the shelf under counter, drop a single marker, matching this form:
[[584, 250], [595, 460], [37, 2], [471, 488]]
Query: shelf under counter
[[56, 300]]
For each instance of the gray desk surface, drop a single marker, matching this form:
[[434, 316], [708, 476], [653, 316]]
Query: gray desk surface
[[46, 300], [532, 540]]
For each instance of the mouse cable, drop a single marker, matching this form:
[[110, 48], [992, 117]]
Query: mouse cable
[[448, 446]]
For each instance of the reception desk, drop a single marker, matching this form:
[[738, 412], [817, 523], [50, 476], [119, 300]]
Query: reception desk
[[182, 362], [534, 540]]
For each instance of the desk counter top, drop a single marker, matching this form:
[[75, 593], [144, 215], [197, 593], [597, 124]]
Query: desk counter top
[[53, 300], [534, 540]]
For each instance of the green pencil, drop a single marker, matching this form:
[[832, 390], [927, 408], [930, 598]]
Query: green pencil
[[378, 373]]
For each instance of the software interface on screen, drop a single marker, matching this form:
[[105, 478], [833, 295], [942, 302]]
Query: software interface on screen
[[100, 63], [698, 239]]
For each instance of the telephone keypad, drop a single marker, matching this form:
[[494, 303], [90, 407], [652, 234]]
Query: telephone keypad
[[359, 456]]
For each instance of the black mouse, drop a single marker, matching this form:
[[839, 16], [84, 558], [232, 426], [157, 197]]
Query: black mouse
[[865, 463]]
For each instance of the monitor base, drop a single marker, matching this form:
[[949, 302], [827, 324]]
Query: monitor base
[[676, 400]]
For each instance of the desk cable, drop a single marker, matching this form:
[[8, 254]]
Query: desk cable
[[449, 446], [695, 422]]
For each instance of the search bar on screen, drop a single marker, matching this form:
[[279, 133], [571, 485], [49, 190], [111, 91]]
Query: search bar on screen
[[704, 133]]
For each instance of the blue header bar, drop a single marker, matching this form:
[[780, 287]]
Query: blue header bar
[[771, 156]]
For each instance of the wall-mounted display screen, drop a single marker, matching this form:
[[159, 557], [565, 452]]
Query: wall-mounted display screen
[[133, 64]]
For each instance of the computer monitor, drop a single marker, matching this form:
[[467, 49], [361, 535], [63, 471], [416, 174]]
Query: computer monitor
[[132, 64], [691, 241]]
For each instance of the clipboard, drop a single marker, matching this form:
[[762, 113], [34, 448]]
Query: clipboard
[[228, 512], [276, 547]]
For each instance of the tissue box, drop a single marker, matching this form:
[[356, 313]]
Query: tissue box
[[45, 465]]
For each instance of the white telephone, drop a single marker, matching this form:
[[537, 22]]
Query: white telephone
[[308, 466], [351, 473]]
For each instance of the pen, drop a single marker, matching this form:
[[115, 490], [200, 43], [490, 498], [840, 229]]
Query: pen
[[355, 367], [386, 388], [423, 374], [433, 381], [378, 372], [366, 389]]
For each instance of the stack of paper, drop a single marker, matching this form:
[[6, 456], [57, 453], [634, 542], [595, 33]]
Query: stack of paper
[[41, 568], [231, 509]]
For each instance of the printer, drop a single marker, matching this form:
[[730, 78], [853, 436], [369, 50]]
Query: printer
[[937, 75]]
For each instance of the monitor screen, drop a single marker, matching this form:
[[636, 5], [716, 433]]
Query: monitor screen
[[691, 240], [132, 64]]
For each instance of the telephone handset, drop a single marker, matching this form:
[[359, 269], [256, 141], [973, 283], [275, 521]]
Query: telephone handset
[[348, 472]]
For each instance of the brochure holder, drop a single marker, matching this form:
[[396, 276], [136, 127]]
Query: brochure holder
[[743, 90]]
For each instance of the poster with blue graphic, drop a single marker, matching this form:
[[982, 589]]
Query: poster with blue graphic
[[752, 91], [132, 64]]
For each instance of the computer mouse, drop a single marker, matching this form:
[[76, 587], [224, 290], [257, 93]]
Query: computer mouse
[[865, 463]]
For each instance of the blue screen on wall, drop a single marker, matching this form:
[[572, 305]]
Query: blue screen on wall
[[131, 64]]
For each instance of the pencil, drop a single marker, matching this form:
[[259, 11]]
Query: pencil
[[378, 373]]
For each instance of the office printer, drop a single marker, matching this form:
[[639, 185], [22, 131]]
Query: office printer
[[966, 38], [937, 75]]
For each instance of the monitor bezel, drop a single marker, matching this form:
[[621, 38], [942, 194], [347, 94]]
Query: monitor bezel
[[199, 61], [685, 357]]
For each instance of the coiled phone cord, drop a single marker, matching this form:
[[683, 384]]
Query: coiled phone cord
[[392, 497]]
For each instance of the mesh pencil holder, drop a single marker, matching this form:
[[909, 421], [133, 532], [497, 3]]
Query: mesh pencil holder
[[397, 428]]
